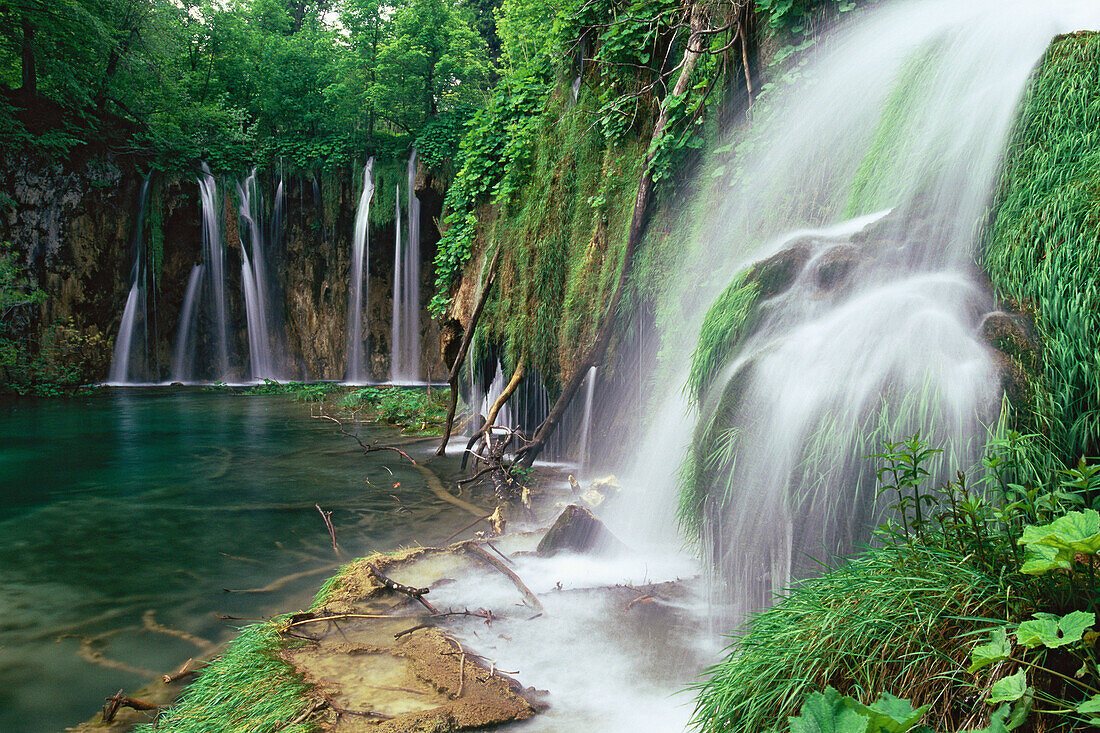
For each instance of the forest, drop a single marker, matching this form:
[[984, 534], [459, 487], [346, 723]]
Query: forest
[[726, 366]]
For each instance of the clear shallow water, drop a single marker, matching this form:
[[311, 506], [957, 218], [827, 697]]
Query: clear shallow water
[[145, 505]]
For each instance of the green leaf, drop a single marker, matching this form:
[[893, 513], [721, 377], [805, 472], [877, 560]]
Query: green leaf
[[1041, 559], [1092, 705], [890, 714], [1054, 631], [1072, 533], [997, 650], [1009, 689], [828, 712]]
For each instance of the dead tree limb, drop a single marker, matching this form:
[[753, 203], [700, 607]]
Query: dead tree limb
[[484, 556], [464, 348], [327, 516], [505, 395], [118, 700], [367, 448], [415, 593], [595, 353]]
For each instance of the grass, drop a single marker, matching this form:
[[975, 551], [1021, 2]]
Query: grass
[[895, 618], [248, 689], [416, 410], [1043, 246], [301, 391]]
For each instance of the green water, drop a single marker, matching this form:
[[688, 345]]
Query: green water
[[147, 505]]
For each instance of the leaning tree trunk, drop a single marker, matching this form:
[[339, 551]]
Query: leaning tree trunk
[[693, 51], [467, 337]]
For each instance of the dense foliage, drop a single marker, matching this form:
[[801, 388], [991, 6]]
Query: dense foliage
[[1043, 249], [236, 82]]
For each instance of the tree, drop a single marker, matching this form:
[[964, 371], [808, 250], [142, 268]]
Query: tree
[[432, 61]]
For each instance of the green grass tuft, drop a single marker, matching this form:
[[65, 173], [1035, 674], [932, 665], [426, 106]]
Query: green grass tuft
[[893, 619], [249, 689]]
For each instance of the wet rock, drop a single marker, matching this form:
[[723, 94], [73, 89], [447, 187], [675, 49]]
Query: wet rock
[[777, 273], [577, 530], [834, 266], [1016, 353]]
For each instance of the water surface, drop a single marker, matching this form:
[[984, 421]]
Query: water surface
[[130, 513]]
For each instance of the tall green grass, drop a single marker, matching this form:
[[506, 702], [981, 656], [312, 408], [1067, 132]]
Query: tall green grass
[[1043, 248], [896, 618], [249, 689]]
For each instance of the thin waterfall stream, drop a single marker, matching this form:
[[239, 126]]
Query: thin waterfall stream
[[359, 287], [125, 362]]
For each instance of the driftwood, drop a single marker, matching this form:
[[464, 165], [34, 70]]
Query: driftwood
[[327, 516], [467, 338], [693, 51], [485, 557], [118, 700], [415, 593]]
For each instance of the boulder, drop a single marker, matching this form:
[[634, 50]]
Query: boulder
[[577, 530]]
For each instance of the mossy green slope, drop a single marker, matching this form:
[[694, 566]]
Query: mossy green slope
[[1043, 249]]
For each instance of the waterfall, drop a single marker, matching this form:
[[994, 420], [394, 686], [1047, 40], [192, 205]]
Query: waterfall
[[213, 250], [359, 291], [183, 354], [586, 424], [254, 279], [135, 313], [405, 358], [860, 196]]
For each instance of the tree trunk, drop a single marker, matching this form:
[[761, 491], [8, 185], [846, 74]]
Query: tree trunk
[[596, 351], [456, 368]]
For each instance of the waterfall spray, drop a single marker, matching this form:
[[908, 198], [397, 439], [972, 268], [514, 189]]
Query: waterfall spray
[[842, 336], [254, 279], [213, 248]]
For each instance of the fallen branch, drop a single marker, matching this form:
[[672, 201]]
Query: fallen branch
[[367, 448], [118, 700], [464, 348], [411, 592], [341, 617], [408, 631], [327, 516], [183, 672], [481, 554], [468, 526]]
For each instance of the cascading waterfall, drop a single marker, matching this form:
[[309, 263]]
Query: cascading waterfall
[[183, 356], [405, 359], [359, 291], [586, 424], [213, 249], [859, 332], [254, 279], [125, 361]]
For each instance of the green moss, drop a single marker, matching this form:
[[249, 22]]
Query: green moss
[[1043, 248], [562, 237], [249, 689]]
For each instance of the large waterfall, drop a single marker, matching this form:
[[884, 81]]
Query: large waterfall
[[254, 280], [359, 287], [133, 331], [861, 195], [405, 359]]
